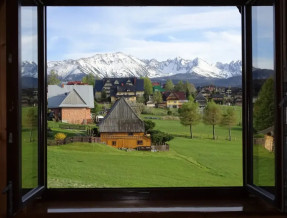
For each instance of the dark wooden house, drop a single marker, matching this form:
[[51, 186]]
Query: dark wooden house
[[122, 128]]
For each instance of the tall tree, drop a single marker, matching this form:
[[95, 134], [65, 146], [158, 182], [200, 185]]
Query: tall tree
[[157, 97], [53, 78], [169, 85], [189, 88], [179, 87], [264, 107], [147, 88], [229, 119], [189, 115], [89, 79], [212, 115]]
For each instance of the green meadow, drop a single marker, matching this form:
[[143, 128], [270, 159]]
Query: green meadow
[[197, 162]]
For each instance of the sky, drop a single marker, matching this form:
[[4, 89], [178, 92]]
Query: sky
[[211, 33]]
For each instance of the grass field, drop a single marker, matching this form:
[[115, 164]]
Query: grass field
[[197, 162], [29, 149]]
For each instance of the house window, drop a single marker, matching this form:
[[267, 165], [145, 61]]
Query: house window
[[114, 143], [140, 142]]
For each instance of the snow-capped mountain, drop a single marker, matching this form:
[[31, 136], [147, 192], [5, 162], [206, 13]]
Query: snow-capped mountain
[[122, 65]]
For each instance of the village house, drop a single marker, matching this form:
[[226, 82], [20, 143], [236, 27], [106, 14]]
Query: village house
[[130, 88], [122, 128], [71, 103], [174, 99], [201, 100]]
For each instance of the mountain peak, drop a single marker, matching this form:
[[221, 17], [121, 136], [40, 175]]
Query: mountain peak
[[119, 64]]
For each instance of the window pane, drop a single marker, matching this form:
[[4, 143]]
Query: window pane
[[179, 69], [263, 96], [29, 98]]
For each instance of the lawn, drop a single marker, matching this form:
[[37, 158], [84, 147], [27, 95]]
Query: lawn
[[197, 162], [97, 165], [29, 148]]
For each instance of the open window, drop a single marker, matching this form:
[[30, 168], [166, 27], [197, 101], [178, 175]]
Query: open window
[[26, 107]]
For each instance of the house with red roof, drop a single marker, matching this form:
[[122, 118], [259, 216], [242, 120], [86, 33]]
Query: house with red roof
[[174, 99]]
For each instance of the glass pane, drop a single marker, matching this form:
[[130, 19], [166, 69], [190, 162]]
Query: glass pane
[[182, 77], [263, 96], [29, 98]]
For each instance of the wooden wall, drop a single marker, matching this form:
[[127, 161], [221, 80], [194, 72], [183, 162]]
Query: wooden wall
[[3, 134], [123, 140]]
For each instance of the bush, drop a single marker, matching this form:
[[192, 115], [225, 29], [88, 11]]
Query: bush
[[159, 138], [169, 112], [60, 136]]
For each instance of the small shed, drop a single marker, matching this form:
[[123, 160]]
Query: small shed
[[122, 128]]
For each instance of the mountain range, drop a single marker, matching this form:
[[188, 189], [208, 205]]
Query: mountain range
[[118, 64]]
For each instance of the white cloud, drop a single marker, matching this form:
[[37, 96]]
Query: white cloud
[[146, 32]]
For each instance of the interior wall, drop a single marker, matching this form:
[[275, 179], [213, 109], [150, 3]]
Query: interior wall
[[3, 134]]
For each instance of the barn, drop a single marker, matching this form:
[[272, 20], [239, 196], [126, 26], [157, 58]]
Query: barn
[[122, 128]]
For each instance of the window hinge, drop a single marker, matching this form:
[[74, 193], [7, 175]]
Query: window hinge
[[8, 189]]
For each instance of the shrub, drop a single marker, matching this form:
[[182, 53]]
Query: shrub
[[60, 136], [169, 112]]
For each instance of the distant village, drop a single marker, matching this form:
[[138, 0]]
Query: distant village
[[81, 96]]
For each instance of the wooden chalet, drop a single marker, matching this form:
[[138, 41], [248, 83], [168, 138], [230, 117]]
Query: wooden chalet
[[122, 128]]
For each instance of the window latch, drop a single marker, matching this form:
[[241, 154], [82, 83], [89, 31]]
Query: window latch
[[8, 189]]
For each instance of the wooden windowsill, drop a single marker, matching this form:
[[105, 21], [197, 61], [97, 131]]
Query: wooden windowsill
[[243, 207]]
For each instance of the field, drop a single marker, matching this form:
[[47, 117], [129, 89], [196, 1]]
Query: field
[[190, 162], [196, 162]]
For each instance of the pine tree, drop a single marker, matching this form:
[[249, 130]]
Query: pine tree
[[212, 115]]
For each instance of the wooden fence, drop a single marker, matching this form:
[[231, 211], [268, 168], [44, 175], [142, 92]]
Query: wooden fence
[[160, 147], [69, 140]]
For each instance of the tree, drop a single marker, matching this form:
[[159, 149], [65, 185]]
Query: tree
[[169, 85], [89, 79], [228, 119], [96, 109], [148, 125], [179, 87], [157, 97], [31, 119], [53, 78], [212, 115], [264, 107], [189, 89], [103, 95], [147, 88], [189, 115]]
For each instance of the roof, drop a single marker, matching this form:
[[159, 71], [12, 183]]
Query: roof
[[137, 83], [269, 131], [158, 88], [121, 118], [70, 96], [200, 97], [175, 95]]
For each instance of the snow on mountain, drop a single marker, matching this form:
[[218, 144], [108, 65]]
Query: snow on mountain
[[122, 65]]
